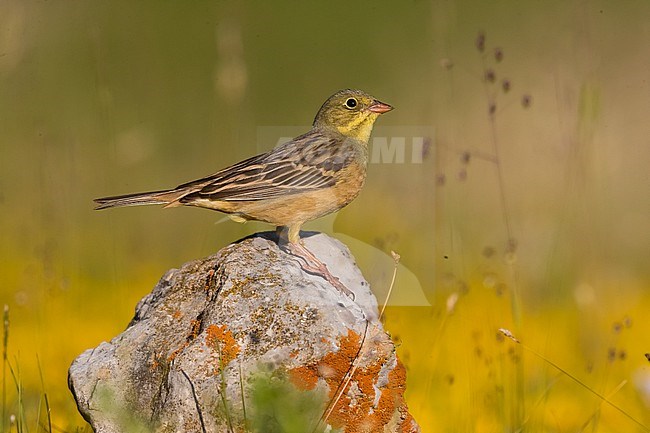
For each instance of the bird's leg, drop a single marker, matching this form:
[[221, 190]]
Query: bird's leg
[[309, 262]]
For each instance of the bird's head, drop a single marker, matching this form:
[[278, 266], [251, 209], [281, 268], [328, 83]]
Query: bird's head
[[352, 113]]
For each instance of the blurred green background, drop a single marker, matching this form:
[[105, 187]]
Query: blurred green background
[[536, 218]]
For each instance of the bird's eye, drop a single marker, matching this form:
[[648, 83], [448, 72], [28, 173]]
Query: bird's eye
[[350, 103]]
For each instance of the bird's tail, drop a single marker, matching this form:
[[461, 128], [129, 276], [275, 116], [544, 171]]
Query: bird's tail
[[137, 199]]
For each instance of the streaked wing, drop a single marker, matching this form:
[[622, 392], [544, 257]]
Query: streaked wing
[[306, 163]]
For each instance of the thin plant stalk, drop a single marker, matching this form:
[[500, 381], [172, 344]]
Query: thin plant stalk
[[45, 398], [506, 333], [515, 303], [5, 345], [396, 258], [346, 381], [222, 387]]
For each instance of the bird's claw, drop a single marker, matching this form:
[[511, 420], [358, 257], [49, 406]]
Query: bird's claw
[[312, 265]]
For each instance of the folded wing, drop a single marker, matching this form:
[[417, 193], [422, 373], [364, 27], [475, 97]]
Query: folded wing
[[306, 163]]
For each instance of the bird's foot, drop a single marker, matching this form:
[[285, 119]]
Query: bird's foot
[[312, 265]]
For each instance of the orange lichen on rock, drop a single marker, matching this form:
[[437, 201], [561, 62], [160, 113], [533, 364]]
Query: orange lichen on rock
[[303, 377], [195, 329], [397, 384], [155, 362], [358, 408], [220, 338], [331, 368]]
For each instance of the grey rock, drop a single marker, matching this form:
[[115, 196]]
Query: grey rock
[[245, 340]]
